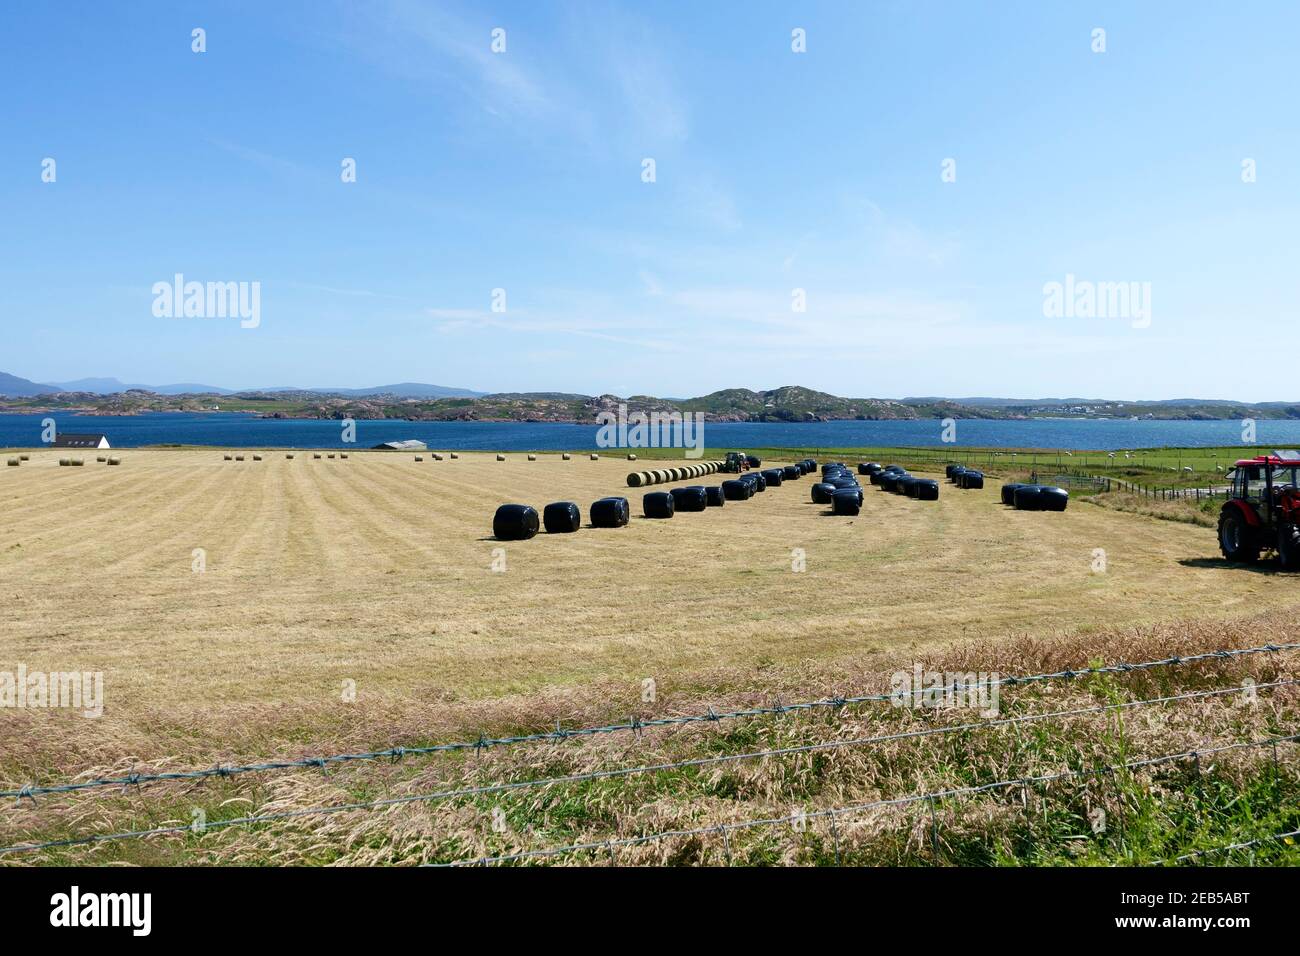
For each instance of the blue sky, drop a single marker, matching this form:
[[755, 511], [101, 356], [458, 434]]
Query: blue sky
[[775, 171]]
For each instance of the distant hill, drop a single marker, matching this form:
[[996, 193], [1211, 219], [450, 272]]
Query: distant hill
[[400, 390], [111, 386], [11, 386], [790, 403], [115, 386]]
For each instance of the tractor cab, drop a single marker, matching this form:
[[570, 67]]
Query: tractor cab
[[1263, 509]]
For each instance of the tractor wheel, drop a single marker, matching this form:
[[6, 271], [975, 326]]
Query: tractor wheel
[[1236, 538], [1288, 546]]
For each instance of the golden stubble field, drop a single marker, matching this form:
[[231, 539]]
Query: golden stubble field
[[378, 570]]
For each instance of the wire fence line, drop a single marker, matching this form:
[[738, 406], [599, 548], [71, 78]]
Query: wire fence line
[[633, 724], [620, 772], [832, 813]]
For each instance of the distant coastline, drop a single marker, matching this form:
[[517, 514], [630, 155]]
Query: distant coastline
[[786, 405]]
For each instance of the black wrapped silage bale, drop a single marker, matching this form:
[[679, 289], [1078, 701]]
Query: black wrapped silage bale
[[846, 502], [561, 517], [515, 522], [610, 512], [1028, 498], [714, 496], [737, 490], [822, 492], [693, 498], [1054, 499], [658, 504]]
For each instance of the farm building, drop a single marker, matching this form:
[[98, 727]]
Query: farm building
[[410, 444], [70, 440]]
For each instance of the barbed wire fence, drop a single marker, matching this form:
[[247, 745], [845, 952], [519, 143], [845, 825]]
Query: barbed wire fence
[[632, 724], [722, 829], [618, 772], [836, 704]]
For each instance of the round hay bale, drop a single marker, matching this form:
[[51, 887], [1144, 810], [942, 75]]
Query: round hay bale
[[1028, 498], [635, 479], [257, 458], [736, 490], [564, 457], [316, 455], [658, 504], [515, 522], [115, 461], [822, 492], [561, 517], [343, 454], [610, 513], [78, 462], [927, 489], [846, 502], [792, 472], [714, 496], [232, 457], [693, 498], [631, 457], [501, 457], [1054, 499], [64, 462], [329, 455], [595, 457], [454, 456], [418, 458], [289, 457], [12, 462], [437, 457], [532, 457], [1009, 492], [100, 458], [24, 457]]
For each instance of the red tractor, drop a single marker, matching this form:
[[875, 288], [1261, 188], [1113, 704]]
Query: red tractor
[[736, 462], [1263, 509]]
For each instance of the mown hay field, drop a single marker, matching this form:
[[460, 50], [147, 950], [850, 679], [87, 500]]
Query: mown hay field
[[378, 570]]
